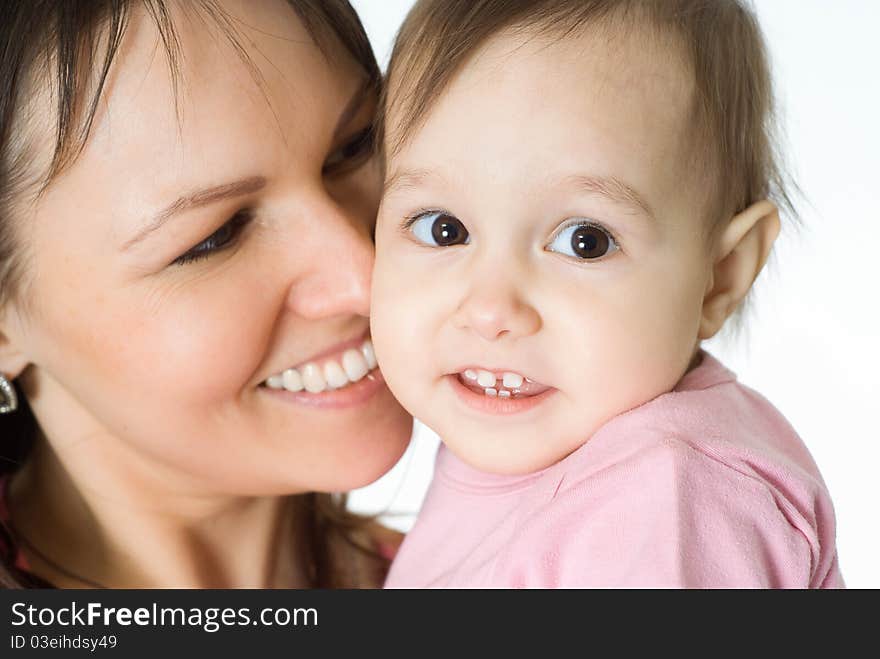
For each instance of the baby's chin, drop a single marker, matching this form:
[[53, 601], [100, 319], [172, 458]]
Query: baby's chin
[[508, 454]]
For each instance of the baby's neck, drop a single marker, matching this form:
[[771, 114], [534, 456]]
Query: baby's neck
[[696, 360]]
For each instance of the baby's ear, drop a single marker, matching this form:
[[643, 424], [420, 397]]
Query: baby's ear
[[741, 251]]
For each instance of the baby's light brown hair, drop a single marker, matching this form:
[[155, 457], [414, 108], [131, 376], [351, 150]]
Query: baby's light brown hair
[[719, 40]]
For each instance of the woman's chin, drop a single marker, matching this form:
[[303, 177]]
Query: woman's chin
[[355, 457], [375, 455]]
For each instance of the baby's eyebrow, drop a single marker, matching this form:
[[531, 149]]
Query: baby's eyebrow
[[409, 178], [612, 188], [609, 187]]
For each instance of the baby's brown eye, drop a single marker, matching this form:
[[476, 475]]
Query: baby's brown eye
[[589, 242], [439, 229], [584, 241]]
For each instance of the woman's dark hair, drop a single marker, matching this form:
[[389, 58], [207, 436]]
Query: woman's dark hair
[[71, 45]]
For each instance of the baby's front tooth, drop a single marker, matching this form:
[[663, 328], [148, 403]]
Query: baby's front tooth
[[512, 380], [313, 379], [335, 376], [355, 364], [485, 378], [292, 380], [369, 354], [490, 391]]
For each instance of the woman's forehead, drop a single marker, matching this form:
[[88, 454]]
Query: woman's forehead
[[264, 106], [214, 70], [231, 104]]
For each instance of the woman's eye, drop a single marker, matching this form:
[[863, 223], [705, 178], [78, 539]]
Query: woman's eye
[[220, 239], [351, 154], [584, 240], [439, 229]]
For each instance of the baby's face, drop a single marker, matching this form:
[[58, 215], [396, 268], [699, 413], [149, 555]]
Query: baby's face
[[545, 223]]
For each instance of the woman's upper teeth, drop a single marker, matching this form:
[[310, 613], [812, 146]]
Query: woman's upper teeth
[[333, 373]]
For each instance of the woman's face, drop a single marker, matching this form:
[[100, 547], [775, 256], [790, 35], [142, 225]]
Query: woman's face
[[200, 244]]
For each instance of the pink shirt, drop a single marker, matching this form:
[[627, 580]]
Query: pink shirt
[[705, 486]]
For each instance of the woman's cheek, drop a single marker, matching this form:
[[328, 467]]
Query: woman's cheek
[[213, 348], [190, 342]]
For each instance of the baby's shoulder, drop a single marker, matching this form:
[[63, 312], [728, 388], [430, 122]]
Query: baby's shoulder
[[684, 484], [669, 514], [703, 486], [659, 460], [728, 431], [688, 445]]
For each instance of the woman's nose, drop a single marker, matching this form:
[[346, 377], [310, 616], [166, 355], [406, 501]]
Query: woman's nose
[[494, 312], [334, 275]]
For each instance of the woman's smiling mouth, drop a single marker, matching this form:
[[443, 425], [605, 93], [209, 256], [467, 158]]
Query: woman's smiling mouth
[[333, 371], [342, 377]]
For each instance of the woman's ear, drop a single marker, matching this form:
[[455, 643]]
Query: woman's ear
[[742, 251], [12, 360]]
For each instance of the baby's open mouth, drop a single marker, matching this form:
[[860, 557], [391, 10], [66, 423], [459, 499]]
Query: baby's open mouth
[[504, 384]]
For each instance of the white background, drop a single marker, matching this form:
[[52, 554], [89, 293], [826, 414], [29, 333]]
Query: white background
[[812, 344]]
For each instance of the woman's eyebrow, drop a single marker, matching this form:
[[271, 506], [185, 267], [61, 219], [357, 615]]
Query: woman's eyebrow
[[241, 187], [196, 199]]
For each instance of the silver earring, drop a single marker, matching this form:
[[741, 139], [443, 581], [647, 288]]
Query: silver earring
[[9, 401]]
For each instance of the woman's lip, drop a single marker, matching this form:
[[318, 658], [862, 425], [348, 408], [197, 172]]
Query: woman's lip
[[350, 395], [494, 404]]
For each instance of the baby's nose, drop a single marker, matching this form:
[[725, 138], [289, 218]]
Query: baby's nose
[[494, 314]]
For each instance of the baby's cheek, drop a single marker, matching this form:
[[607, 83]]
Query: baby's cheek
[[656, 338], [390, 329], [630, 341], [399, 339]]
